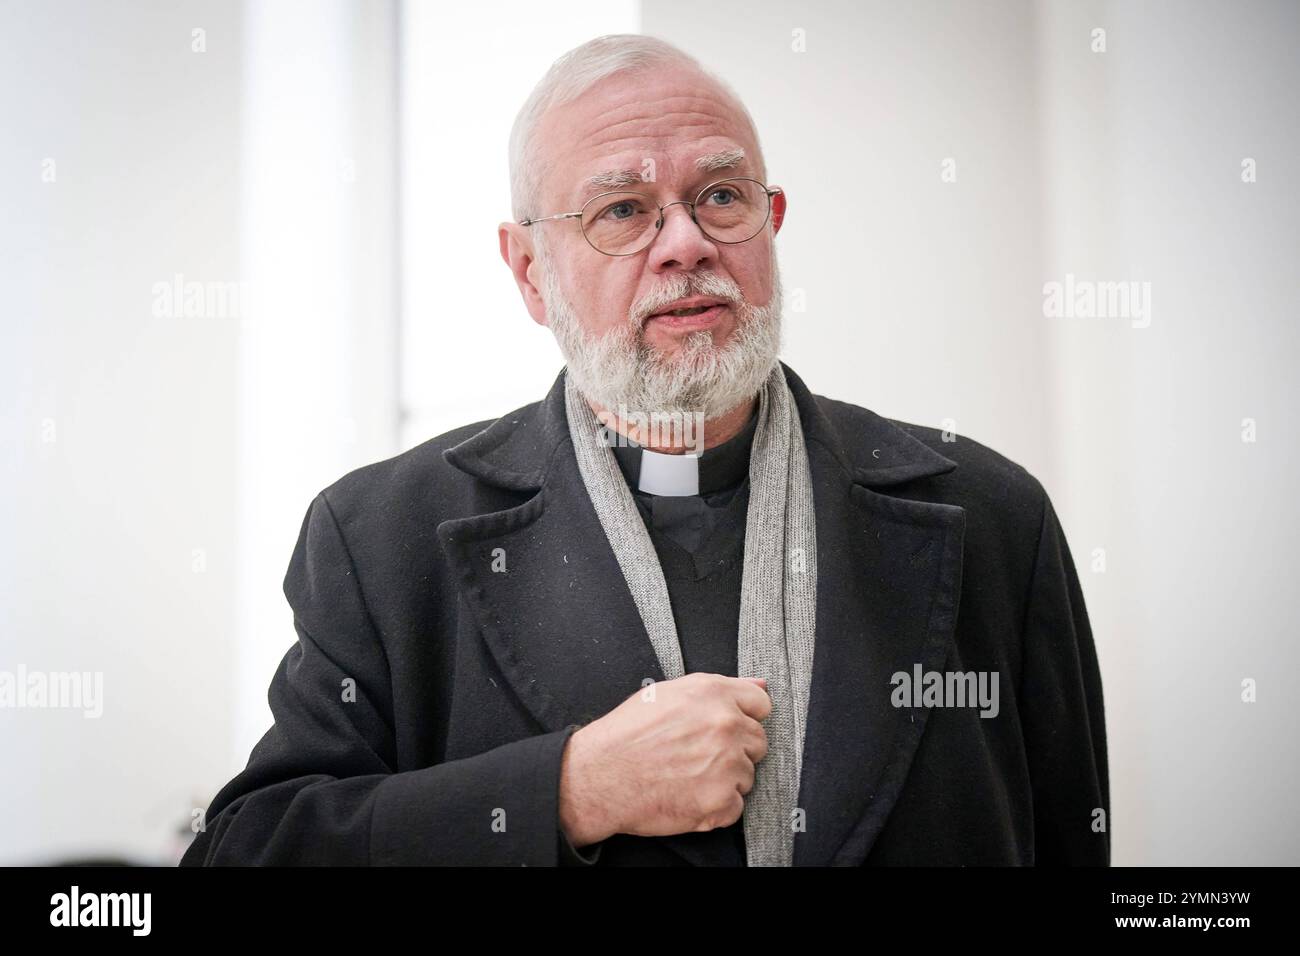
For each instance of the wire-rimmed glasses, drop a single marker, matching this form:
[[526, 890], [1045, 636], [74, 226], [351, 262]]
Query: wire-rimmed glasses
[[624, 222]]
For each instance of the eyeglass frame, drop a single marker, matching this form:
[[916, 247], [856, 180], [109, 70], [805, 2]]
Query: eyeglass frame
[[770, 191]]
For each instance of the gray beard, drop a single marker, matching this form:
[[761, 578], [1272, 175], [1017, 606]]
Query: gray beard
[[620, 369]]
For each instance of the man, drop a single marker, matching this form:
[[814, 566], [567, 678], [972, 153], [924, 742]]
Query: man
[[682, 610]]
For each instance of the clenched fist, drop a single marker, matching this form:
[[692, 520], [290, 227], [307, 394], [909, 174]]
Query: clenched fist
[[677, 756]]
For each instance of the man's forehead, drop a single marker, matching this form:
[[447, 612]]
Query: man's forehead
[[641, 128]]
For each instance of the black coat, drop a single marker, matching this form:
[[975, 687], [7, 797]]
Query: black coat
[[469, 678]]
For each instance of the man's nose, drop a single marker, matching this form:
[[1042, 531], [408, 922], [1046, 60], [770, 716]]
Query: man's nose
[[680, 244]]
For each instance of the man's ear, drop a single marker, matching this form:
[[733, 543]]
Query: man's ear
[[517, 252], [778, 211]]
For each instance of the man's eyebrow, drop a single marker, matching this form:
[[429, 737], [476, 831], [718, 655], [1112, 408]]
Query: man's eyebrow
[[725, 159], [612, 179]]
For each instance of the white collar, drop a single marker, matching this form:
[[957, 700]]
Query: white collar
[[669, 474]]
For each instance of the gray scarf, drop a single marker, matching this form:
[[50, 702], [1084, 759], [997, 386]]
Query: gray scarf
[[778, 598]]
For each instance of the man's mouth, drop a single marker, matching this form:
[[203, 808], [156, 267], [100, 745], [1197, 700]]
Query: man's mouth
[[688, 308]]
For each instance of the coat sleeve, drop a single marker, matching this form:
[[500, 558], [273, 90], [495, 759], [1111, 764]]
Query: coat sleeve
[[321, 787], [1062, 712], [570, 855]]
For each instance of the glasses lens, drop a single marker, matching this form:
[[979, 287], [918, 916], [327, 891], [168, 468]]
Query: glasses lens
[[732, 211], [619, 223]]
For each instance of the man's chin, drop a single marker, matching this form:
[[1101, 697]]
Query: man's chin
[[694, 376], [702, 348]]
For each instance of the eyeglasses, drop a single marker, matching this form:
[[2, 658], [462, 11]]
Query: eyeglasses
[[624, 222]]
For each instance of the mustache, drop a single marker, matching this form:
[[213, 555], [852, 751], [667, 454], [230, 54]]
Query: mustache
[[679, 287]]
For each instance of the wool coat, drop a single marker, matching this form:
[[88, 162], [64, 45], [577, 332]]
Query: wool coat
[[459, 613]]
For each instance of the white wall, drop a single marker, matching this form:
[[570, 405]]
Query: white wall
[[100, 523], [1144, 145], [158, 468]]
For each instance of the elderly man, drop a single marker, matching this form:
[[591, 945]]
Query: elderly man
[[682, 610]]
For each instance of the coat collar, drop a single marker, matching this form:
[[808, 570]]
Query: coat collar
[[517, 450], [565, 632]]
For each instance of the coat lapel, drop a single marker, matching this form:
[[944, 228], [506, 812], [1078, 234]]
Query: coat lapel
[[549, 598], [888, 580], [541, 578]]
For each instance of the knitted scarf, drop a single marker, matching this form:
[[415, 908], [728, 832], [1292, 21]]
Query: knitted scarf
[[778, 598]]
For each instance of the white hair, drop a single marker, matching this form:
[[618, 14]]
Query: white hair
[[569, 77]]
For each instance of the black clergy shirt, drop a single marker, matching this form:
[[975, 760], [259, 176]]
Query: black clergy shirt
[[700, 541]]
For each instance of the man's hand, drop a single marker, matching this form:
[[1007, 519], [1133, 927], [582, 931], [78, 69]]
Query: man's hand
[[677, 756]]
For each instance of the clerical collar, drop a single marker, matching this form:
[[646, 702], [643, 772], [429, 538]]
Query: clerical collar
[[715, 469]]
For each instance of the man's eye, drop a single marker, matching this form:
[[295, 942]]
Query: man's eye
[[620, 210], [727, 195]]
